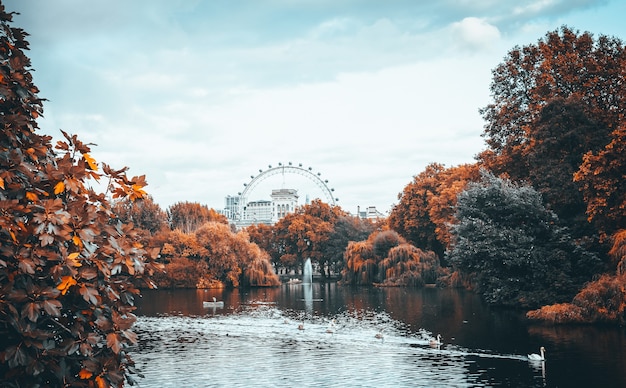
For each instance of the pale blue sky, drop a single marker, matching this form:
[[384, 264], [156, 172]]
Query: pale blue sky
[[200, 95]]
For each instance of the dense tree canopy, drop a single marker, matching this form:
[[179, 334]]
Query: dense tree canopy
[[386, 259], [603, 179], [306, 233], [513, 246], [564, 64], [213, 257], [426, 208], [69, 269]]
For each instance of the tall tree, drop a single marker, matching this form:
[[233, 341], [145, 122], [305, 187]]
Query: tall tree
[[564, 64], [426, 208], [68, 267], [514, 246], [411, 216]]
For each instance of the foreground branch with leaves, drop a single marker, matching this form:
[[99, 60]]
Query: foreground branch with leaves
[[69, 269]]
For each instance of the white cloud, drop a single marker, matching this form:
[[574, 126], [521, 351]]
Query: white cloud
[[475, 33]]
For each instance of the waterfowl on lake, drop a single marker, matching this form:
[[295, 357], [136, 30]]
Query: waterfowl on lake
[[379, 335], [538, 357], [435, 341], [331, 327], [215, 303], [301, 326]]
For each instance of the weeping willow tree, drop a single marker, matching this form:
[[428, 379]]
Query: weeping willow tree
[[259, 272], [407, 265], [361, 265], [386, 259]]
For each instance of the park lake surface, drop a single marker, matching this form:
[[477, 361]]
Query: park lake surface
[[255, 341]]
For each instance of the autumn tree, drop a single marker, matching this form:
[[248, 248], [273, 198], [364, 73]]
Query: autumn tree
[[345, 230], [514, 246], [305, 234], [602, 177], [189, 216], [69, 269], [147, 217], [265, 237], [564, 64], [426, 208], [411, 216], [386, 258], [555, 101], [214, 257]]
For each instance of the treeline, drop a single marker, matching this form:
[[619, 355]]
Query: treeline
[[541, 214], [197, 247], [538, 218]]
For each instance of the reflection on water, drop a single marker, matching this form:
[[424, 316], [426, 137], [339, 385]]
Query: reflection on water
[[254, 341]]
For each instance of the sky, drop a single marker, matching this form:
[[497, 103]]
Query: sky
[[201, 95]]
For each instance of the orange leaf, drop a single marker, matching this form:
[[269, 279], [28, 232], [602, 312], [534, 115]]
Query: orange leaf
[[31, 196], [84, 374], [76, 240], [101, 382], [71, 258], [1, 183], [65, 284], [113, 342], [59, 187], [91, 162]]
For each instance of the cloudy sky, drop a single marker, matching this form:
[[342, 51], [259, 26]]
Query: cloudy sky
[[200, 95]]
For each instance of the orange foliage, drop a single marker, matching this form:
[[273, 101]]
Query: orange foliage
[[214, 257], [386, 259], [618, 251], [601, 301], [602, 176]]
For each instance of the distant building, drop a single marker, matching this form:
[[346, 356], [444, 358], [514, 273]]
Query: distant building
[[231, 206], [284, 201], [369, 213], [258, 212]]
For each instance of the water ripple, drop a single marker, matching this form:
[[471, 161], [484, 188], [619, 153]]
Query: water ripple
[[262, 346]]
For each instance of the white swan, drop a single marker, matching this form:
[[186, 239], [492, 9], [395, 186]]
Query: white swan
[[435, 341], [379, 335], [301, 326], [537, 357], [213, 304], [331, 327]]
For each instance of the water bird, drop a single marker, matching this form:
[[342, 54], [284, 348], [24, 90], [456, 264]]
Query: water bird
[[379, 335], [301, 326], [538, 357], [331, 327], [435, 341], [215, 303]]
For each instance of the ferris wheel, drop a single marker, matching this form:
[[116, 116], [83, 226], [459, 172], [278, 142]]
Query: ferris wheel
[[283, 169]]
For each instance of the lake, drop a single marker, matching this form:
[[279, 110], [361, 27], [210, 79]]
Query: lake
[[255, 340]]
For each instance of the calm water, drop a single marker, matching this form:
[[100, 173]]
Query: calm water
[[255, 341]]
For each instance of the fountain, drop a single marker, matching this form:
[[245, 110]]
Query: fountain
[[307, 277], [307, 283]]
